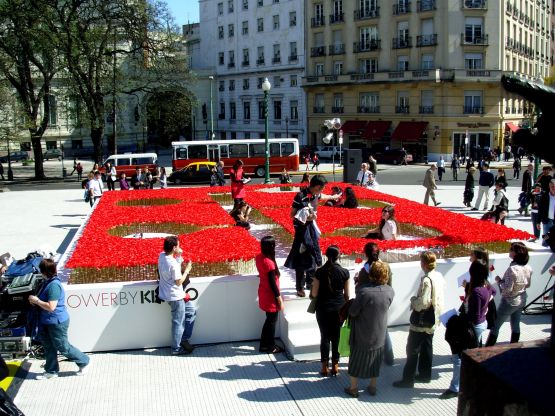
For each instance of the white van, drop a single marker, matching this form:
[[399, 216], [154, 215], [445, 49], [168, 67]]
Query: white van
[[128, 162]]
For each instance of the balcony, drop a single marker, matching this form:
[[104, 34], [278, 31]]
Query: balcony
[[362, 77], [260, 61], [337, 110], [293, 58], [480, 4], [367, 14], [330, 78], [508, 8], [231, 65], [246, 121], [402, 109], [318, 51], [396, 74], [317, 21], [365, 109], [425, 5], [245, 63], [368, 46], [402, 43], [426, 40], [276, 60], [421, 74], [337, 49], [403, 7], [473, 110], [319, 110], [312, 79], [478, 73], [426, 109], [474, 40], [336, 18]]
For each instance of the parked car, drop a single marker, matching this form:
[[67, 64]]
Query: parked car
[[392, 156], [17, 156], [197, 172], [52, 154], [327, 152]]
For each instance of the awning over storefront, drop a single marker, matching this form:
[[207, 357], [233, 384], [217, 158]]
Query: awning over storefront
[[511, 126], [353, 126], [375, 129], [409, 131]]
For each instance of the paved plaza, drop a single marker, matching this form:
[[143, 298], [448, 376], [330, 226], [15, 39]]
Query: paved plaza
[[223, 379]]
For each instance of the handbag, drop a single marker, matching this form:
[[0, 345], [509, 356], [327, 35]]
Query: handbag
[[7, 406], [344, 337], [312, 305], [426, 318], [87, 195]]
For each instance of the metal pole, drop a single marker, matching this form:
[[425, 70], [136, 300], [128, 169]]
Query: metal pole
[[266, 141], [333, 152], [114, 97], [286, 126], [211, 78], [10, 171]]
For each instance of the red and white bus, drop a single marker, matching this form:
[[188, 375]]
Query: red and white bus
[[284, 153]]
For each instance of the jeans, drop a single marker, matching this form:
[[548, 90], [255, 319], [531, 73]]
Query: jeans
[[419, 352], [546, 227], [329, 325], [183, 321], [479, 330], [505, 310], [535, 223], [482, 190], [267, 341], [54, 339], [110, 183]]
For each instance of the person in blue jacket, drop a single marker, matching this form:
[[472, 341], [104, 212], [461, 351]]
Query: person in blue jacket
[[54, 323]]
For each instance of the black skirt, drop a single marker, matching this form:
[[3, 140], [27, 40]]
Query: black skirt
[[365, 363]]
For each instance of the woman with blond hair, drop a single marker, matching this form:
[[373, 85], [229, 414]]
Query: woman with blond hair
[[368, 314], [426, 307]]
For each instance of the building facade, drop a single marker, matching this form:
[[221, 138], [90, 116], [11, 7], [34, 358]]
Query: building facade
[[423, 75], [247, 41]]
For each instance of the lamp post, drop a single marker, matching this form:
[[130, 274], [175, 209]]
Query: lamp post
[[10, 171], [334, 125], [211, 78], [286, 127], [266, 86]]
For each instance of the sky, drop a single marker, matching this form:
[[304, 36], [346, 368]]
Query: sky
[[184, 11]]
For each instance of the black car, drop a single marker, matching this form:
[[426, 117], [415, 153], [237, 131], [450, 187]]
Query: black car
[[18, 156], [197, 172]]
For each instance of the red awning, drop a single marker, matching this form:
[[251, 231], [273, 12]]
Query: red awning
[[354, 126], [375, 129], [409, 131], [511, 126]]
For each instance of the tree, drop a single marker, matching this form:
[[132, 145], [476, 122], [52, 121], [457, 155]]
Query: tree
[[28, 62], [115, 47]]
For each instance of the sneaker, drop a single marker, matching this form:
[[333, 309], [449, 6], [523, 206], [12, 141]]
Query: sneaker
[[403, 384], [186, 346], [448, 394], [181, 351], [83, 370], [46, 376]]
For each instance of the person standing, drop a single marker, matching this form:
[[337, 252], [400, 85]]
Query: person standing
[[54, 324], [430, 185], [440, 168], [455, 165], [330, 288], [96, 188], [74, 166], [404, 153], [111, 176], [535, 200], [172, 277], [269, 296], [526, 189], [513, 285], [546, 210], [138, 180], [363, 175], [79, 169], [315, 161], [220, 176], [368, 314], [485, 182], [421, 334], [163, 178], [237, 178], [544, 178], [284, 178], [468, 194], [372, 165], [501, 178], [305, 255], [516, 168]]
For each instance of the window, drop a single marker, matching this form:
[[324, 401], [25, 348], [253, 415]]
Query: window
[[246, 84], [403, 33], [232, 114], [257, 150], [367, 7], [338, 68], [319, 12], [319, 101], [245, 57], [222, 111], [292, 19], [260, 81], [319, 70], [473, 30], [76, 144], [426, 102], [53, 120], [287, 149], [275, 19], [402, 63], [427, 62], [230, 30], [245, 30], [292, 51], [231, 58], [220, 32], [247, 136], [75, 109], [337, 103], [197, 151], [369, 102], [260, 3], [246, 110], [277, 109], [245, 4], [221, 86], [277, 81], [221, 59], [294, 109], [238, 150], [473, 102], [368, 37], [368, 66], [277, 53], [402, 102], [261, 109], [293, 80], [230, 6], [260, 55], [260, 24], [231, 85], [473, 61], [220, 9]]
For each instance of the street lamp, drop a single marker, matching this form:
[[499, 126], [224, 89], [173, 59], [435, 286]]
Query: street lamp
[[266, 86], [211, 78], [333, 126]]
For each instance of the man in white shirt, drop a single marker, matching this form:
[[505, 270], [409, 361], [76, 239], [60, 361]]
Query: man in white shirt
[[172, 277], [96, 187]]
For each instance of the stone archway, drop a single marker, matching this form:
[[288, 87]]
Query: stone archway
[[168, 117]]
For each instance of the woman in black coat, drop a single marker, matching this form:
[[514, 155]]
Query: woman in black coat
[[468, 194]]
